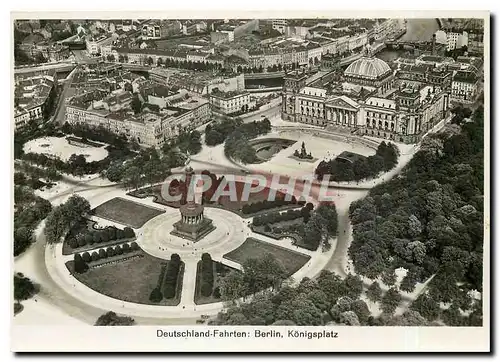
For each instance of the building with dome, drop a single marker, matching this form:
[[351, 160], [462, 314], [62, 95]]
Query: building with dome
[[370, 72], [370, 100]]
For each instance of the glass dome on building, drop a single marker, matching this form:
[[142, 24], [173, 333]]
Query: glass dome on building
[[368, 68]]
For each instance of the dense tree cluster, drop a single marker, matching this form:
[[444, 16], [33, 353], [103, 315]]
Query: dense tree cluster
[[236, 135], [171, 276], [237, 145], [23, 287], [258, 274], [429, 220], [30, 175], [320, 227], [384, 160], [207, 275], [29, 210], [63, 217], [112, 319], [325, 300], [217, 132]]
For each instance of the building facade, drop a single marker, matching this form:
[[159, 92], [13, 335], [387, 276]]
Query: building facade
[[230, 102], [464, 87], [394, 110]]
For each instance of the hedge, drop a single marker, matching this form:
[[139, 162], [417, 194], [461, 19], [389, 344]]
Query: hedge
[[207, 275], [171, 276], [101, 236], [266, 204]]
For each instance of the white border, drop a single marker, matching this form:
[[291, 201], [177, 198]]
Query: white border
[[66, 338]]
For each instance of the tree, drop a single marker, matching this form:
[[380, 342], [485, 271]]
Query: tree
[[95, 256], [129, 232], [409, 318], [232, 286], [80, 266], [390, 301], [361, 309], [427, 306], [374, 292], [23, 287], [112, 319], [86, 257], [156, 296], [23, 237], [353, 286], [349, 318]]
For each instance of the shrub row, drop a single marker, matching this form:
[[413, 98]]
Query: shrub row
[[274, 217], [207, 275], [171, 277], [156, 295], [266, 204], [81, 261], [91, 237]]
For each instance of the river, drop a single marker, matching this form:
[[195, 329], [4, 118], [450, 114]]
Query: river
[[416, 30]]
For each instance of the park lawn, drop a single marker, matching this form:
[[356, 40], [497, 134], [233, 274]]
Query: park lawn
[[126, 212], [218, 275], [253, 248], [130, 280]]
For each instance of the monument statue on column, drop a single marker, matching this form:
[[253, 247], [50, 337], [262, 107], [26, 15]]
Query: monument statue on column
[[193, 224]]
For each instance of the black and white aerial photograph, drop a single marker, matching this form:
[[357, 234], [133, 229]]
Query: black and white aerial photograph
[[250, 180]]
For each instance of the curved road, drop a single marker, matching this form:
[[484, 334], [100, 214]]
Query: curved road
[[56, 295]]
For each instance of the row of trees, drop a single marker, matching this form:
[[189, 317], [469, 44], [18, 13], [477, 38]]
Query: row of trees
[[167, 62], [99, 134], [362, 168], [90, 237], [76, 165], [63, 217], [207, 275], [81, 261], [428, 221], [29, 210]]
